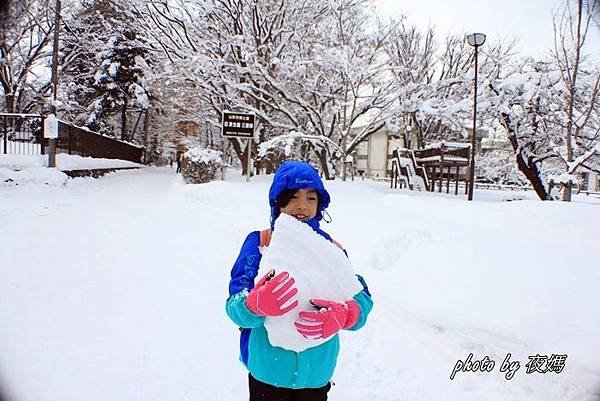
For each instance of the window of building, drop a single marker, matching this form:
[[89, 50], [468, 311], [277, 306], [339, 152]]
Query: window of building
[[585, 180]]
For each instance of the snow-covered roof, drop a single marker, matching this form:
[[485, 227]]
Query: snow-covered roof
[[439, 158], [446, 144], [591, 168]]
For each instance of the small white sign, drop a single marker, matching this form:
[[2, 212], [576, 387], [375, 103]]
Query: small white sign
[[51, 126]]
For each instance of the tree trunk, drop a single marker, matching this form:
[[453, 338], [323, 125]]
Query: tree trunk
[[418, 131], [124, 136], [531, 171], [324, 166], [572, 88], [4, 5], [146, 129], [344, 155], [526, 166], [242, 154], [10, 103], [567, 191]]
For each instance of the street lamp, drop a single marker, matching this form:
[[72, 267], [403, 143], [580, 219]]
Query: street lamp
[[475, 40]]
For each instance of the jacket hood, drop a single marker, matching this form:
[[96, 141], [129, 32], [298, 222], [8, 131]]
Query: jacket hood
[[297, 175]]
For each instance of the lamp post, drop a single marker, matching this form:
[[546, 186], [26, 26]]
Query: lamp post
[[475, 40]]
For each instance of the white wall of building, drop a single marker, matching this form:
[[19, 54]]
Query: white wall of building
[[372, 157], [378, 145], [593, 182]]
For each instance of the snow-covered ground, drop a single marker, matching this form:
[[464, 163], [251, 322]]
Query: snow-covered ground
[[114, 289], [64, 162], [16, 169]]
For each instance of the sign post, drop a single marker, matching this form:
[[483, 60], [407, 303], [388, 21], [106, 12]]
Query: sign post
[[51, 133], [240, 125]]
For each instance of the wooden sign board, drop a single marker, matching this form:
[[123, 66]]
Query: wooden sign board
[[238, 125]]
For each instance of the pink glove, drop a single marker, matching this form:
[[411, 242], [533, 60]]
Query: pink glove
[[271, 293], [331, 318]]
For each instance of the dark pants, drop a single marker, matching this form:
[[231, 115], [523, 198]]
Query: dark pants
[[260, 391]]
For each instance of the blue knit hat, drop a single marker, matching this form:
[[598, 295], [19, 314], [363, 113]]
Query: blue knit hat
[[297, 175]]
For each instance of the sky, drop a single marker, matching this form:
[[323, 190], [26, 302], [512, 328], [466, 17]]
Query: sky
[[528, 20]]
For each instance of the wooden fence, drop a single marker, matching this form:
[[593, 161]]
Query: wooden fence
[[23, 134]]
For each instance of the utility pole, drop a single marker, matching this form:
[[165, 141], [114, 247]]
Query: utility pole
[[52, 141], [345, 131]]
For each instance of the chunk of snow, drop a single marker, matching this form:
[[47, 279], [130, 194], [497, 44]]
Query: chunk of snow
[[320, 269]]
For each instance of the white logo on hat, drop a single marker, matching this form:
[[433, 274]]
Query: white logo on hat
[[305, 181]]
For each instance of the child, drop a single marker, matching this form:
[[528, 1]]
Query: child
[[275, 373]]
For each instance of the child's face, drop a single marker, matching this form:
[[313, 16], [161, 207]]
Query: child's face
[[303, 205]]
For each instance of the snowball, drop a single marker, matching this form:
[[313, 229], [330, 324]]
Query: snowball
[[320, 268]]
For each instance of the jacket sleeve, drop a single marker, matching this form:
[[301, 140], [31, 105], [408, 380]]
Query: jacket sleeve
[[365, 304], [243, 274]]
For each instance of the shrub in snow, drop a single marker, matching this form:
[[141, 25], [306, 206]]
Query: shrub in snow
[[200, 165]]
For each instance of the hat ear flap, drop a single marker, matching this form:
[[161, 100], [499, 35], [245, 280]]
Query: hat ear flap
[[274, 215]]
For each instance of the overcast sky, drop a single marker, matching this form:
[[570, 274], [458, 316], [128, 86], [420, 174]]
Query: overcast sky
[[528, 20]]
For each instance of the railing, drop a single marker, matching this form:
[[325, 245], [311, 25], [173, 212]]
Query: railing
[[21, 134], [500, 187], [462, 152], [83, 142], [418, 170], [399, 174], [589, 193]]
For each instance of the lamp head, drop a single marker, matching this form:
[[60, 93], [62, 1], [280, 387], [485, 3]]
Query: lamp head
[[476, 39]]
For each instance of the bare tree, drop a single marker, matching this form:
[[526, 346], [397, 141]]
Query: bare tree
[[25, 31], [411, 56], [550, 110], [571, 26], [308, 66], [436, 83], [523, 104]]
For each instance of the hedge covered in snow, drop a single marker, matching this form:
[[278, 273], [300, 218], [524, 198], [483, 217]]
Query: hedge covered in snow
[[200, 165]]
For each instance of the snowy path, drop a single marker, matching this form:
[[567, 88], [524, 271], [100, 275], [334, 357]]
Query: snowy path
[[113, 289]]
